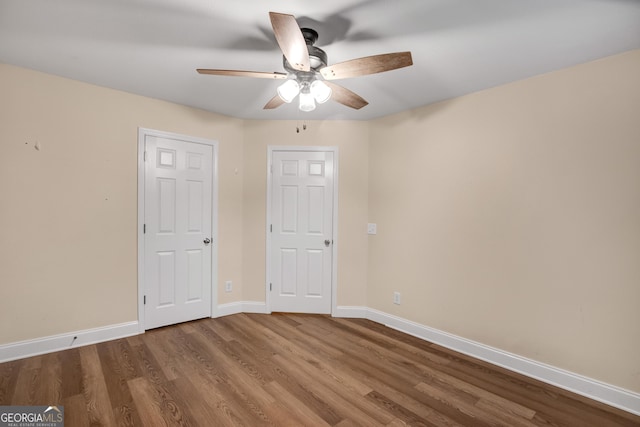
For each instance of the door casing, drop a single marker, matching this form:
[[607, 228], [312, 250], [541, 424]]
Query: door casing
[[334, 246], [142, 133]]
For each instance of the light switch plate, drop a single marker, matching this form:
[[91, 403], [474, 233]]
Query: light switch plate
[[372, 228]]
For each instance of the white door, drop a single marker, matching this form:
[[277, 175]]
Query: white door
[[177, 230], [301, 231]]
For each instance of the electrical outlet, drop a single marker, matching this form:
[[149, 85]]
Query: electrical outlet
[[228, 286], [396, 298]]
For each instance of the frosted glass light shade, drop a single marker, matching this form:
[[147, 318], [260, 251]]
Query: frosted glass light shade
[[320, 91], [306, 101], [288, 90]]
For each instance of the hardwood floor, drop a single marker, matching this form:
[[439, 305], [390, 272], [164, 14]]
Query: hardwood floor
[[288, 370]]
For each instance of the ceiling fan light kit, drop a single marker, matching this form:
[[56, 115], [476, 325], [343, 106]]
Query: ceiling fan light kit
[[306, 64], [321, 92], [306, 101], [288, 90], [310, 93]]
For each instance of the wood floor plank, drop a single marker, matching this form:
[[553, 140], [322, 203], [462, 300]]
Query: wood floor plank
[[383, 362], [27, 382], [149, 366], [325, 363], [287, 317], [295, 352], [297, 349], [289, 370], [504, 414], [149, 407], [242, 375], [438, 419], [408, 397], [397, 410], [117, 370], [291, 383], [222, 330], [246, 395], [393, 334], [347, 403], [300, 414], [462, 406], [8, 379], [242, 357], [226, 405], [283, 329], [156, 342], [385, 380], [71, 372], [75, 411], [546, 400], [94, 388], [201, 403], [484, 397], [50, 381], [163, 398], [418, 353]]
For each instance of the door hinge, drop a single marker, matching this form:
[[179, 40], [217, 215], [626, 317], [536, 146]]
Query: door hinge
[[144, 228], [144, 156], [271, 168], [271, 228], [270, 287], [144, 300]]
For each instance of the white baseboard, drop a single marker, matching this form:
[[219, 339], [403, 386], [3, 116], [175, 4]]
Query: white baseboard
[[353, 312], [227, 309], [254, 307], [593, 389], [38, 346], [240, 307], [35, 347]]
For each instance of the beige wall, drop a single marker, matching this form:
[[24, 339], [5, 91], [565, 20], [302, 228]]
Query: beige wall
[[352, 140], [512, 217], [68, 213], [509, 217]]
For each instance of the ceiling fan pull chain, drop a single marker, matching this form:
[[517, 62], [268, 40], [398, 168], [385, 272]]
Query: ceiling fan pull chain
[[304, 126]]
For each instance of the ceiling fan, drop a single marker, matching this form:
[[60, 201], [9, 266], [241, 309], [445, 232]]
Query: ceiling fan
[[308, 73]]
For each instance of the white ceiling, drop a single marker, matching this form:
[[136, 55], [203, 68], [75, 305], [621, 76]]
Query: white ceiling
[[152, 47]]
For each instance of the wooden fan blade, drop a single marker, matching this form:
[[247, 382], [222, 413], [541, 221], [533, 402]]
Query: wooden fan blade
[[367, 65], [239, 73], [345, 97], [274, 102], [290, 40]]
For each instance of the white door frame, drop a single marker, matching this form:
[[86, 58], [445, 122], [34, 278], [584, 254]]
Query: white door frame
[[334, 237], [142, 133]]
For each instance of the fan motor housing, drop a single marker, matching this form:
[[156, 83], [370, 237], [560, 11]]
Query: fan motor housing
[[317, 57]]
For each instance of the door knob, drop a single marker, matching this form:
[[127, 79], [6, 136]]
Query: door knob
[[207, 241], [327, 242]]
